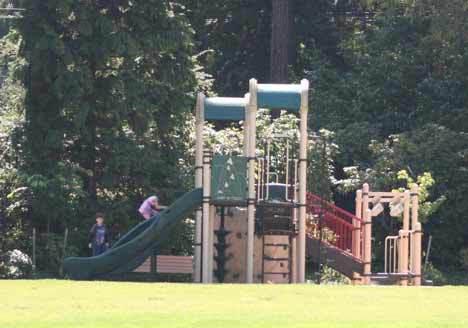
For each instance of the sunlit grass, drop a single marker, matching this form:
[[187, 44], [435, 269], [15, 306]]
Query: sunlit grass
[[48, 304]]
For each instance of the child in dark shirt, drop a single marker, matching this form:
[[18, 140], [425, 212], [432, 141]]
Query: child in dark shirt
[[99, 236]]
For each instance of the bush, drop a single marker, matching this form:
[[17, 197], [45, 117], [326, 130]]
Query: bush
[[464, 258], [15, 264], [328, 276], [434, 274], [333, 277], [50, 252]]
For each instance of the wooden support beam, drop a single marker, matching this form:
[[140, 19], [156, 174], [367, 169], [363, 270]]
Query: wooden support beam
[[206, 218], [416, 227], [367, 240], [357, 226], [301, 243], [199, 125], [417, 237], [252, 114], [404, 242]]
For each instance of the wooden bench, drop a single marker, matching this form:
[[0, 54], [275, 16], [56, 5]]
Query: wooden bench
[[167, 264]]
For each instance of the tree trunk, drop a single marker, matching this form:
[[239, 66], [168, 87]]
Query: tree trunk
[[280, 40], [90, 161]]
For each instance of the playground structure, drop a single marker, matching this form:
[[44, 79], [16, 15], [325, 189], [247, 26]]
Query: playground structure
[[403, 251], [350, 252], [276, 242], [224, 189], [254, 221]]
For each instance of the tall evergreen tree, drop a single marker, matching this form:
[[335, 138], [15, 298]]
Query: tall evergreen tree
[[108, 85], [281, 35]]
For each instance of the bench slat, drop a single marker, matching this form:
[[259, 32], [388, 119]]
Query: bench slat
[[174, 264], [169, 264]]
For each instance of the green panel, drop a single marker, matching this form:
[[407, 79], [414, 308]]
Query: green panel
[[279, 96], [225, 109], [229, 180]]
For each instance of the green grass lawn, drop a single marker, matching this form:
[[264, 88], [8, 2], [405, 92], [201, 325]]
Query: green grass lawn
[[49, 304]]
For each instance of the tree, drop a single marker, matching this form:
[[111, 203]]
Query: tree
[[402, 75], [281, 28], [108, 88], [235, 38]]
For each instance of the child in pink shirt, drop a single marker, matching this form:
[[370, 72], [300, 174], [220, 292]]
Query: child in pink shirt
[[150, 208]]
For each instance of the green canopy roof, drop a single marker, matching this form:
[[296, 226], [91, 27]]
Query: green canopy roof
[[225, 109], [279, 96]]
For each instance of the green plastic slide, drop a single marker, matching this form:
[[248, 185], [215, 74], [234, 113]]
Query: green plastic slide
[[134, 247]]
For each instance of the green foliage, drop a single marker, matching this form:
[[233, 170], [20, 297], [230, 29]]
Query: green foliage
[[322, 149], [433, 274], [331, 277], [50, 252], [399, 103], [464, 258], [424, 182], [8, 17], [95, 105], [234, 37], [15, 265], [15, 213], [321, 171], [108, 89], [181, 239], [328, 276]]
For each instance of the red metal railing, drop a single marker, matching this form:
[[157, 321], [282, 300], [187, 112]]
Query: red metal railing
[[342, 229]]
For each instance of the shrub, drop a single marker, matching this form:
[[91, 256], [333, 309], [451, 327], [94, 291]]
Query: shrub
[[464, 258], [50, 252], [15, 264], [434, 274], [333, 277]]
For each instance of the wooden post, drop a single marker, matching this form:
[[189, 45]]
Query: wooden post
[[246, 127], [356, 279], [252, 113], [211, 243], [417, 234], [294, 260], [403, 268], [414, 206], [357, 226], [206, 216], [64, 249], [364, 208], [199, 123], [303, 143], [295, 220], [416, 240], [367, 252], [34, 250], [365, 198], [402, 256]]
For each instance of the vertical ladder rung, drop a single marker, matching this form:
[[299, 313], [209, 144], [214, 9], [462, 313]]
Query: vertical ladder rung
[[276, 245], [284, 246]]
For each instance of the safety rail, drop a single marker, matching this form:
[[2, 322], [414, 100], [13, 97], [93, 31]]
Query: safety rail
[[391, 254], [346, 227], [316, 201], [393, 250], [286, 174]]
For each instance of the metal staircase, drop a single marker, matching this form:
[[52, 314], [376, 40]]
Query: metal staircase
[[342, 237]]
